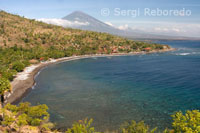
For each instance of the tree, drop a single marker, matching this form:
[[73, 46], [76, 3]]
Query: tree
[[134, 127], [18, 66], [190, 122], [26, 115], [2, 29], [158, 46], [7, 73], [29, 115], [83, 126], [4, 86]]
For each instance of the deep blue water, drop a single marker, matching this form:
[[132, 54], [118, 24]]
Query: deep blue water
[[116, 89]]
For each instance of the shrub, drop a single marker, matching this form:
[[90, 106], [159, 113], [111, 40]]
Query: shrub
[[7, 120], [29, 115], [158, 46], [190, 122], [22, 120], [134, 127], [4, 85], [7, 74], [82, 127], [18, 66], [26, 63]]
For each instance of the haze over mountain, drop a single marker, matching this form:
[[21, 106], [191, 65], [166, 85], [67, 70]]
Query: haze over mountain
[[83, 21], [94, 24]]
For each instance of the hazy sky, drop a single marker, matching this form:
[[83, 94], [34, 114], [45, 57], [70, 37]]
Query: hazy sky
[[120, 13]]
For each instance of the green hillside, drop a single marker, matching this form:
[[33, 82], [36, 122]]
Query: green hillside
[[24, 39]]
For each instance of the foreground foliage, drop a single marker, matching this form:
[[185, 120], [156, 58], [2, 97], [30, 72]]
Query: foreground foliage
[[17, 117], [190, 122], [26, 118], [82, 127], [134, 127]]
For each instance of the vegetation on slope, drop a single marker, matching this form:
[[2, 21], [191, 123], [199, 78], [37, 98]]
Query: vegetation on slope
[[16, 30], [4, 87], [24, 41]]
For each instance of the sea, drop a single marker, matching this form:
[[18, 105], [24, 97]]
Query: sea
[[114, 90]]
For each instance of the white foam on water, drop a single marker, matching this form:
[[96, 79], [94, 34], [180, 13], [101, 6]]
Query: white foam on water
[[195, 52], [33, 87], [95, 58], [182, 54], [109, 57], [25, 74], [27, 71]]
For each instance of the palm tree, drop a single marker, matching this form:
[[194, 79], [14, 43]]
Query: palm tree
[[4, 87]]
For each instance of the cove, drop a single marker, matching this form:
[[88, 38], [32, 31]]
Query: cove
[[112, 90]]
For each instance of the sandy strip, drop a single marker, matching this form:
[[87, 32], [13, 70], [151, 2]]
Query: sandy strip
[[24, 81]]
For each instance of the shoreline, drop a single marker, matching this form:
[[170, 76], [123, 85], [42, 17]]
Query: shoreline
[[24, 81]]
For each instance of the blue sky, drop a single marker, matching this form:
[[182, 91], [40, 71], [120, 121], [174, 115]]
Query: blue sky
[[177, 25]]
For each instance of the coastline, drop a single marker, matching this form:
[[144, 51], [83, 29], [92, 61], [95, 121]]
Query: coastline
[[24, 81]]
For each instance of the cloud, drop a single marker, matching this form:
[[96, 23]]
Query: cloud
[[109, 23], [168, 30], [155, 27], [176, 29], [64, 23], [180, 29], [123, 27], [161, 28]]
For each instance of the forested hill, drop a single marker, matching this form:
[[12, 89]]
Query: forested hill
[[22, 40], [16, 30]]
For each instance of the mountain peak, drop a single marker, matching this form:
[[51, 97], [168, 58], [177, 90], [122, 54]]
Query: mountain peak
[[93, 23], [78, 16], [79, 12]]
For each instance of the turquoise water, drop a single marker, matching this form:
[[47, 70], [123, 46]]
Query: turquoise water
[[116, 89]]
